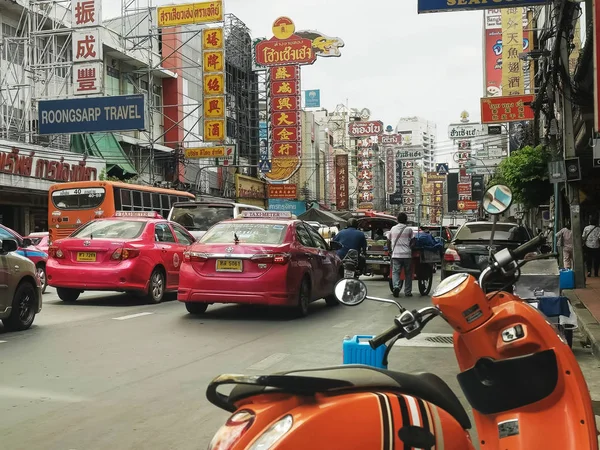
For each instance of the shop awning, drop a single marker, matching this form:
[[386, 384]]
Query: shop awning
[[107, 147]]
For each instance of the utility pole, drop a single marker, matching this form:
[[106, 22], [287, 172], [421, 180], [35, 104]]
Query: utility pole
[[572, 188]]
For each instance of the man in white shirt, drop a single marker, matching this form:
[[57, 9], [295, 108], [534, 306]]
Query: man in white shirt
[[591, 246], [399, 242]]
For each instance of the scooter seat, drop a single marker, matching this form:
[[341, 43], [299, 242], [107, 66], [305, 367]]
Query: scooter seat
[[426, 386]]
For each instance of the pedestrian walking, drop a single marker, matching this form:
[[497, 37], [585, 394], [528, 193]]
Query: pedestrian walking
[[564, 239], [591, 247], [400, 241]]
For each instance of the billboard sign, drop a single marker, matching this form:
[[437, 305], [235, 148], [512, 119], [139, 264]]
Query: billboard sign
[[465, 130], [410, 154], [92, 115], [285, 47], [206, 152], [341, 182], [295, 207], [432, 6], [191, 13], [288, 191], [390, 139], [464, 205], [312, 98], [362, 129], [514, 108]]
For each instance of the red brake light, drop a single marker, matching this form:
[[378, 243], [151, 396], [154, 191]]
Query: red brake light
[[55, 252], [230, 434], [451, 255], [272, 258], [195, 256], [121, 254]]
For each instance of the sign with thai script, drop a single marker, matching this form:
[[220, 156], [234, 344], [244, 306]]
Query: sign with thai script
[[288, 191], [434, 176], [191, 13], [512, 108], [89, 115], [465, 131], [207, 152], [410, 154], [432, 6], [295, 207], [372, 128], [464, 205], [390, 139], [249, 187]]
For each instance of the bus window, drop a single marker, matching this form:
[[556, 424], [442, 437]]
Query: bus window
[[85, 198], [164, 202], [156, 201], [126, 200], [146, 201], [137, 201]]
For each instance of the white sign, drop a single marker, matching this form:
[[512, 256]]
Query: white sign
[[86, 45], [410, 154], [493, 19], [229, 156], [495, 151], [409, 209], [267, 214], [87, 78], [465, 130], [406, 139], [86, 13]]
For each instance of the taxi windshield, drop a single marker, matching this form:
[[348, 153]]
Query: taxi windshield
[[111, 229], [246, 233], [197, 217]]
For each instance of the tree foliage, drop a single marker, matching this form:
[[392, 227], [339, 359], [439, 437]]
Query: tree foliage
[[525, 172]]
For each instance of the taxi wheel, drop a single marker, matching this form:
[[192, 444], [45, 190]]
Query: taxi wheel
[[303, 298], [41, 271], [156, 289], [23, 308], [67, 295], [196, 308]]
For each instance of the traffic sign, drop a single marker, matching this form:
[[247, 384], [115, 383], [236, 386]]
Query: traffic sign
[[264, 166], [442, 169]]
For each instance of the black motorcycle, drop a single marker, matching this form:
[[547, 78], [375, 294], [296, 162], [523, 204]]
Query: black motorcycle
[[351, 265]]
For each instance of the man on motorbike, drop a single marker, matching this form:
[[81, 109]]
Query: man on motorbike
[[352, 238]]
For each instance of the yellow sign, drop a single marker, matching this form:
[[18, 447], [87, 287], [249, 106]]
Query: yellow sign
[[283, 169], [213, 61], [191, 13], [512, 46], [212, 38], [214, 84], [205, 152], [283, 28], [214, 130], [214, 107]]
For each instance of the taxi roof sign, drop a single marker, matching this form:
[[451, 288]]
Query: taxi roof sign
[[267, 215], [148, 214]]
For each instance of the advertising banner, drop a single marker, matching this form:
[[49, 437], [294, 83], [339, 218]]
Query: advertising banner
[[410, 154], [295, 207], [465, 205], [288, 191], [432, 6], [341, 182], [512, 47], [94, 114], [191, 13], [312, 98], [390, 139], [364, 129], [465, 130], [213, 73], [515, 108], [206, 152], [464, 188], [250, 190]]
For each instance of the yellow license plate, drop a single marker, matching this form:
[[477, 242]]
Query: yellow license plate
[[229, 265], [86, 256]]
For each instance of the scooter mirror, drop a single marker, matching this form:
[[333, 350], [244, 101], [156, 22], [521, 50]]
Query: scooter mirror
[[350, 292], [497, 199]]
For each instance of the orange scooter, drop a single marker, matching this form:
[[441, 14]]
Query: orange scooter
[[519, 375]]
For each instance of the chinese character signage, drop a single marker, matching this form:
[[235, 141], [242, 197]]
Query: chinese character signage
[[213, 70], [365, 155], [284, 48], [87, 47], [288, 191], [191, 13], [409, 183], [506, 109], [437, 202], [341, 182], [512, 47], [390, 174], [285, 122]]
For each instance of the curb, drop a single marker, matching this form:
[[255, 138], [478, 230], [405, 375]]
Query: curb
[[588, 325]]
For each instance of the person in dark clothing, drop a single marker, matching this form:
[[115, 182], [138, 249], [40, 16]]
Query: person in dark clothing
[[352, 238], [379, 236]]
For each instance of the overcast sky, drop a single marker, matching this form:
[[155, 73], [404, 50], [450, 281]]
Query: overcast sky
[[395, 62]]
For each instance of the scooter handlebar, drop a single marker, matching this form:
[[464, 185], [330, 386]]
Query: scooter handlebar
[[527, 247], [381, 339]]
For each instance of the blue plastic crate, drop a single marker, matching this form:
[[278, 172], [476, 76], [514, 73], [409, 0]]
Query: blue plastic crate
[[567, 279], [357, 350]]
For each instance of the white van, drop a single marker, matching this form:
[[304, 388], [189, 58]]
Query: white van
[[197, 217]]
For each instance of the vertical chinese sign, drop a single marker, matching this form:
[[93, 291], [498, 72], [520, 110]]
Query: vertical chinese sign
[[512, 47], [408, 187], [437, 201], [87, 48], [369, 132], [213, 76], [390, 171], [341, 182]]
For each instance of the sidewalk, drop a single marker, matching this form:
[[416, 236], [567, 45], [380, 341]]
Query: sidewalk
[[586, 303]]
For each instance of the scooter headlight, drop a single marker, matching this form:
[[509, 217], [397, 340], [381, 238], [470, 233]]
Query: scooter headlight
[[273, 434]]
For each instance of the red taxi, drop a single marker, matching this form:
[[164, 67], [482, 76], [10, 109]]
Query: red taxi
[[262, 258], [135, 252]]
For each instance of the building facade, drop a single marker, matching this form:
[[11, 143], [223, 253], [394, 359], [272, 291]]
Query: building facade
[[416, 133]]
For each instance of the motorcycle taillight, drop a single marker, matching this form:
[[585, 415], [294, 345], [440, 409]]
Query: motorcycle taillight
[[233, 430]]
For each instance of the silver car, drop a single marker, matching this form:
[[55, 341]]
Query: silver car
[[20, 288]]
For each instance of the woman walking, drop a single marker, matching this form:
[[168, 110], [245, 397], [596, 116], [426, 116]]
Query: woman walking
[[591, 247]]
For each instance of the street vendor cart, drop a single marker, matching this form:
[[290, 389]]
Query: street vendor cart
[[425, 255], [375, 226]]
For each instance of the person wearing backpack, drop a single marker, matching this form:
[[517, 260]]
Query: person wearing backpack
[[591, 247], [400, 243]]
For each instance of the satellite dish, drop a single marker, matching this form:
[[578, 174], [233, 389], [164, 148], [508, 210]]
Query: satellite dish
[[365, 114]]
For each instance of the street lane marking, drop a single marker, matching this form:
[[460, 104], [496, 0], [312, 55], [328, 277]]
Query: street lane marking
[[268, 361], [132, 316], [344, 324], [32, 394]]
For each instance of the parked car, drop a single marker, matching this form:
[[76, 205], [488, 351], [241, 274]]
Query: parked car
[[197, 217], [40, 240], [20, 288], [137, 253], [262, 261], [30, 251], [470, 248]]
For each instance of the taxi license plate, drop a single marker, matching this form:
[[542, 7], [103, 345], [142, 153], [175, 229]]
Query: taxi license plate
[[229, 265], [86, 256]]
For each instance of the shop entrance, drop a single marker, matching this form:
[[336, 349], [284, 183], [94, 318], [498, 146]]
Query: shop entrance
[[23, 211]]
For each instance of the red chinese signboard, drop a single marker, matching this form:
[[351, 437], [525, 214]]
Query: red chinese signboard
[[276, 52], [464, 205], [285, 119], [514, 108], [390, 173], [373, 128], [285, 73], [341, 182], [464, 189], [285, 134], [287, 103], [285, 149], [284, 87], [288, 191]]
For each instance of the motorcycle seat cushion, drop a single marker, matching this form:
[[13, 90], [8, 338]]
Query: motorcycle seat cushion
[[426, 386]]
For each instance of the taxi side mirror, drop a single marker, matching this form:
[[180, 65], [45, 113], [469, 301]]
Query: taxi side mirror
[[8, 245], [335, 246]]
